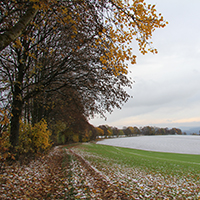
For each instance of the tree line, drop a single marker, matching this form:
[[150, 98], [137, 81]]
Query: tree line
[[63, 62], [104, 131], [109, 131]]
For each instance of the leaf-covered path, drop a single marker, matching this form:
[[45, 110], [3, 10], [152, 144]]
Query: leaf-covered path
[[62, 174], [43, 178]]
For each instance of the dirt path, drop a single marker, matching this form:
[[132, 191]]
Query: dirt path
[[40, 179], [62, 174]]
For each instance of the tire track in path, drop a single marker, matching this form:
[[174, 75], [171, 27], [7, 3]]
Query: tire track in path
[[102, 185]]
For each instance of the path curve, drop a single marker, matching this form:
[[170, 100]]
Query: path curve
[[185, 144]]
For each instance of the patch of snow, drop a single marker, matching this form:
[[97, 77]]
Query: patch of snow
[[186, 144]]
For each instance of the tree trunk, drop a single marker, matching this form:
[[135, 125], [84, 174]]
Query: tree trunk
[[17, 105], [16, 114], [34, 112]]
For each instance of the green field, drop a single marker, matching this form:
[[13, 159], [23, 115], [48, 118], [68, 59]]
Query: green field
[[142, 174], [165, 163]]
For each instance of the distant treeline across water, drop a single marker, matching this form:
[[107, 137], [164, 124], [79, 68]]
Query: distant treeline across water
[[109, 131]]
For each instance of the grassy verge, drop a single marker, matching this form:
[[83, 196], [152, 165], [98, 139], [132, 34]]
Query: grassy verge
[[167, 163], [145, 174]]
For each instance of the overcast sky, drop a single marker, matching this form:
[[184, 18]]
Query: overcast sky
[[166, 92]]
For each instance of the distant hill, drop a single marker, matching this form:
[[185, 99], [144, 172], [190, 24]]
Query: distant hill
[[190, 130]]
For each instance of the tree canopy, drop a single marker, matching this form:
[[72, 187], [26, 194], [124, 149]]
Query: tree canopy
[[71, 52]]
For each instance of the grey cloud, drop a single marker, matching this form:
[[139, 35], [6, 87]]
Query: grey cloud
[[167, 84]]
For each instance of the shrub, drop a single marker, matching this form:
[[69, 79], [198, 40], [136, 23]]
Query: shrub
[[34, 139], [86, 136], [4, 146], [4, 135]]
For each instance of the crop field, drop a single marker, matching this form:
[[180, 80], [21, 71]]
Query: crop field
[[139, 174]]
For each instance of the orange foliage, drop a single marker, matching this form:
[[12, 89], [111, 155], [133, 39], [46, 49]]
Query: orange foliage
[[86, 136], [100, 132], [123, 21], [33, 139], [4, 136], [131, 19]]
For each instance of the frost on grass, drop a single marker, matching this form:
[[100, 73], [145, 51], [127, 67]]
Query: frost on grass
[[140, 184], [80, 183], [89, 183]]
